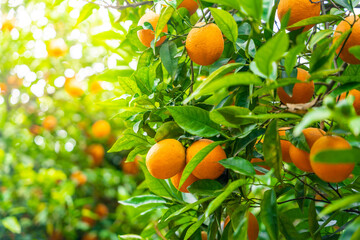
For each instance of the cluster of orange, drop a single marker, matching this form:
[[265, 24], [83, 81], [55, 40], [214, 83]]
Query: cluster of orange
[[204, 43], [168, 158], [317, 142]]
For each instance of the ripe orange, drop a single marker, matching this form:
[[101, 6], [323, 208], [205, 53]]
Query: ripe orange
[[253, 226], [130, 168], [302, 92], [14, 81], [330, 172], [203, 235], [285, 145], [356, 94], [146, 36], [101, 210], [208, 168], [190, 5], [57, 48], [79, 178], [301, 158], [165, 159], [89, 236], [176, 181], [299, 10], [95, 87], [101, 129], [49, 123], [35, 129], [8, 24], [3, 88], [353, 40], [74, 87], [97, 153], [205, 43], [256, 160]]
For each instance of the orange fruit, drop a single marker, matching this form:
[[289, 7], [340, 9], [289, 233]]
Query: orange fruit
[[203, 235], [79, 178], [95, 87], [130, 168], [86, 219], [165, 159], [330, 172], [356, 94], [299, 10], [301, 158], [101, 210], [57, 48], [89, 236], [101, 129], [256, 160], [146, 36], [302, 92], [35, 129], [49, 123], [205, 43], [8, 24], [97, 153], [56, 235], [3, 88], [14, 81], [353, 40], [190, 5], [253, 226], [285, 145], [74, 87], [176, 181], [208, 168]]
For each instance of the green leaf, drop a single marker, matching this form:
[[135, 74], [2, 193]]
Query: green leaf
[[139, 201], [219, 199], [229, 3], [299, 141], [345, 3], [213, 76], [239, 165], [291, 58], [194, 120], [355, 51], [226, 22], [86, 12], [313, 223], [168, 52], [338, 156], [128, 86], [130, 237], [205, 187], [112, 75], [352, 232], [168, 130], [270, 52], [194, 227], [316, 20], [130, 140], [227, 116], [197, 159], [253, 8], [269, 215], [320, 36], [317, 114], [343, 203], [11, 223], [272, 149], [163, 20]]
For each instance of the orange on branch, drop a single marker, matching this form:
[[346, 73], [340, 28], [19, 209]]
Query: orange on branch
[[35, 129], [146, 36], [95, 87], [74, 87], [203, 235], [176, 181], [256, 160], [49, 123], [352, 40], [101, 129], [97, 153], [89, 236], [57, 47], [209, 167], [3, 88], [301, 158], [165, 159], [8, 24], [101, 210], [302, 92], [79, 177], [253, 226], [130, 168], [299, 10], [190, 5], [330, 172], [356, 104], [284, 145], [205, 43]]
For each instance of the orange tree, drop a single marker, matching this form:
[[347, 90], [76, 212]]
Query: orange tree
[[212, 87]]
